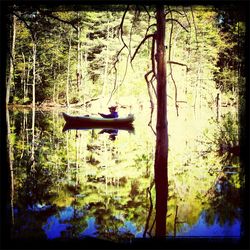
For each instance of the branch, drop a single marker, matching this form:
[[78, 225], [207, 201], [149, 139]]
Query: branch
[[181, 64], [151, 100], [144, 7], [152, 226], [176, 11], [130, 34], [114, 66], [119, 52], [27, 26], [91, 100], [152, 85], [121, 26], [150, 26], [138, 47], [169, 57], [149, 213], [175, 20], [176, 105], [58, 18], [194, 27], [189, 24], [153, 54]]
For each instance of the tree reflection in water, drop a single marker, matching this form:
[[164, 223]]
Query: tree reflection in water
[[84, 185]]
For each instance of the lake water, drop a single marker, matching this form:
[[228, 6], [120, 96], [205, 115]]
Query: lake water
[[84, 183]]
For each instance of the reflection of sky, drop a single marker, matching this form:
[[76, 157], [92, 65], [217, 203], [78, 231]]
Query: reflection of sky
[[201, 229], [66, 214], [54, 225], [130, 227], [91, 229], [38, 207]]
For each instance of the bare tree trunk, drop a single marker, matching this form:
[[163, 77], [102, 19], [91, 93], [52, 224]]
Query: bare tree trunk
[[23, 78], [28, 76], [11, 57], [68, 73], [161, 153], [105, 80], [34, 76], [78, 73], [54, 86], [33, 138], [218, 107], [81, 93], [10, 160]]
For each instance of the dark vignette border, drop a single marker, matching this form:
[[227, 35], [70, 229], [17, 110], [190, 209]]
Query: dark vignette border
[[180, 243]]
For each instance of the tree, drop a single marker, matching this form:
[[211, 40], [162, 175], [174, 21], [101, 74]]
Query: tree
[[161, 152], [11, 48]]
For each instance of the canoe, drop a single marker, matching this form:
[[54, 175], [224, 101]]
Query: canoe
[[97, 122], [127, 127]]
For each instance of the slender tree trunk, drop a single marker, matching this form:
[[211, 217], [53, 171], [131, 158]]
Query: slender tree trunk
[[34, 76], [68, 73], [28, 77], [10, 160], [218, 107], [105, 80], [11, 58], [78, 73], [54, 90], [81, 93], [175, 220], [67, 146], [24, 77], [77, 156], [33, 138], [161, 153]]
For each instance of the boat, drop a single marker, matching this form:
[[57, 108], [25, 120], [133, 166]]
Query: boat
[[68, 126], [91, 122]]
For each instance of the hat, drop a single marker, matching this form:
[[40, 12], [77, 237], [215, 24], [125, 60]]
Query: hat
[[113, 107]]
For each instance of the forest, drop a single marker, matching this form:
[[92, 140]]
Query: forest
[[95, 58], [179, 69]]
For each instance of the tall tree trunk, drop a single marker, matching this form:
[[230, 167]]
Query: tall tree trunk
[[78, 73], [23, 78], [33, 138], [105, 76], [10, 160], [28, 76], [34, 75], [68, 73], [161, 153], [12, 36]]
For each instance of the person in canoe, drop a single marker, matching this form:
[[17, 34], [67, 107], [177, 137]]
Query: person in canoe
[[113, 113]]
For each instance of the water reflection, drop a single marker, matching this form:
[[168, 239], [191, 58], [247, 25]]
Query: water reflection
[[200, 229], [81, 184], [112, 133]]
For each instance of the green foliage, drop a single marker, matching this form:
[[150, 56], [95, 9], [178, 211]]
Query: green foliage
[[212, 50], [109, 181]]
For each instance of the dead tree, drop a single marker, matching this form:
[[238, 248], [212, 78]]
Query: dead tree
[[157, 73]]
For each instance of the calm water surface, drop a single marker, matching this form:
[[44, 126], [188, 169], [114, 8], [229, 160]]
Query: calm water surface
[[82, 183]]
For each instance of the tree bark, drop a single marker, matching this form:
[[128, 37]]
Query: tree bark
[[78, 73], [161, 153], [12, 39], [68, 73], [105, 76], [23, 77], [10, 160], [34, 75]]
